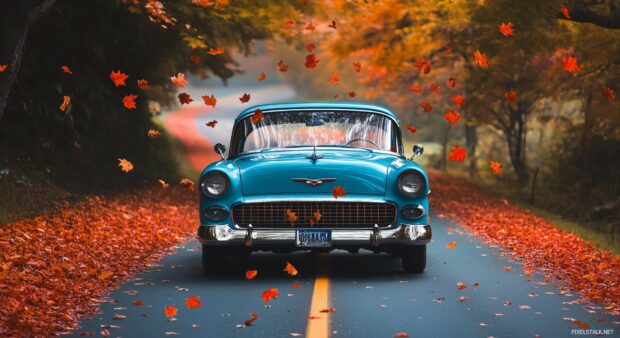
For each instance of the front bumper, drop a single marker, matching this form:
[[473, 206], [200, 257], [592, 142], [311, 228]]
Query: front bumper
[[404, 234]]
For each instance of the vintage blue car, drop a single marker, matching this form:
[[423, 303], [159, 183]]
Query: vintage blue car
[[317, 177]]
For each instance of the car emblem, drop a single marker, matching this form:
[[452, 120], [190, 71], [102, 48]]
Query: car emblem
[[313, 182]]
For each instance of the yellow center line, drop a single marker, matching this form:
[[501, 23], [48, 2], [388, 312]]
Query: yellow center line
[[319, 328]]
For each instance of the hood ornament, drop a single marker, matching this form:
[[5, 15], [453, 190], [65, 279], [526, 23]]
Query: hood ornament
[[313, 182], [314, 157]]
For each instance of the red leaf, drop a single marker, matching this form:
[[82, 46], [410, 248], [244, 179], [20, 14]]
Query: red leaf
[[415, 89], [452, 82], [195, 59], [435, 88], [310, 47], [570, 64], [257, 116], [511, 96], [170, 311], [452, 116], [209, 100], [193, 302], [211, 123], [401, 335], [311, 61], [338, 191], [411, 129], [496, 167], [250, 274], [269, 294], [506, 29], [143, 84], [245, 98], [481, 59], [118, 78], [184, 98], [357, 66], [188, 184], [290, 269], [282, 67], [334, 78], [179, 81], [3, 68], [65, 103], [458, 154], [253, 318], [261, 76], [309, 27], [458, 100], [216, 51], [66, 70], [352, 94], [129, 101], [565, 12], [608, 94], [426, 106]]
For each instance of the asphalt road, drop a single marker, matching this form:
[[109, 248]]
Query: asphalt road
[[371, 296]]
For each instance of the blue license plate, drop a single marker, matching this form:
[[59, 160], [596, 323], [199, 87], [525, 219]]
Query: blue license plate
[[313, 238]]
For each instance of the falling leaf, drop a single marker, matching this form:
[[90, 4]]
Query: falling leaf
[[291, 216], [105, 275], [288, 23], [253, 318], [506, 29], [269, 294], [261, 76], [143, 84], [426, 106], [565, 12], [458, 100], [452, 116], [309, 27], [451, 245], [461, 286], [125, 165], [250, 274], [481, 59], [451, 82], [188, 184], [154, 133], [401, 335], [496, 167], [357, 66], [216, 51], [435, 88], [352, 94], [66, 70], [170, 311], [184, 98], [195, 59], [581, 324], [65, 103], [193, 302], [510, 96], [334, 78], [458, 154], [316, 217], [338, 191], [415, 89], [118, 78], [289, 268], [332, 25], [507, 268], [282, 67], [296, 285], [245, 98], [137, 303], [330, 310], [411, 129], [257, 116], [209, 100], [3, 68], [311, 61], [310, 47], [179, 80], [608, 94], [129, 101], [164, 184], [570, 64], [211, 123]]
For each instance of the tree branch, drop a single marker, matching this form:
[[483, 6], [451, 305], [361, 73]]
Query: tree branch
[[581, 11]]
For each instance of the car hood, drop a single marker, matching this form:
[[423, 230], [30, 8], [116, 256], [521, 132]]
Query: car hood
[[272, 172]]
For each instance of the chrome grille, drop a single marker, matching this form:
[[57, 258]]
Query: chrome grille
[[333, 214]]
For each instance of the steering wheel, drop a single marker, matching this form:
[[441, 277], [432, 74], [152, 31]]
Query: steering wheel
[[363, 140]]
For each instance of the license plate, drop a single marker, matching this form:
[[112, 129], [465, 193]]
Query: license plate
[[313, 238]]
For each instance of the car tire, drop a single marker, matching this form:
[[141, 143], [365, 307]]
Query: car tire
[[414, 259], [215, 260]]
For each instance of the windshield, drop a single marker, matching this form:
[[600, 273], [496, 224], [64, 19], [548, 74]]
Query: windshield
[[316, 128]]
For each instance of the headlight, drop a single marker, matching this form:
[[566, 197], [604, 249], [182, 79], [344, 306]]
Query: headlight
[[215, 183], [411, 183]]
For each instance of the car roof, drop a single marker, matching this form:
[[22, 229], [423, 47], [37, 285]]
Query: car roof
[[318, 105]]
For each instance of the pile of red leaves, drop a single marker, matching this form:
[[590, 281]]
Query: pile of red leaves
[[56, 268], [557, 254]]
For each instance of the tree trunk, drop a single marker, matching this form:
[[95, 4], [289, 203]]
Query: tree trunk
[[516, 137], [471, 141], [444, 145], [17, 18]]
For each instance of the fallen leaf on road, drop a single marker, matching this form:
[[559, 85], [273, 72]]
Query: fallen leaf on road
[[269, 294], [193, 302], [507, 268], [170, 311], [451, 245], [253, 318], [250, 274], [401, 335], [290, 269]]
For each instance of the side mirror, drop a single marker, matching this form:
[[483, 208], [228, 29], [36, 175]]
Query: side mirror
[[418, 150], [220, 149]]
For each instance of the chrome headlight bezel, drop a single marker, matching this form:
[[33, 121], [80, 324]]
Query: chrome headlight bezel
[[212, 178], [408, 178]]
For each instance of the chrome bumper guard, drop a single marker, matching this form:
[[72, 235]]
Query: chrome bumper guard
[[404, 234]]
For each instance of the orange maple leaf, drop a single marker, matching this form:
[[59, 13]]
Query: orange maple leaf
[[510, 96], [216, 51], [570, 64], [452, 116], [334, 78], [250, 274], [481, 59], [357, 66], [451, 245], [192, 302], [311, 61], [153, 133], [65, 102], [179, 80], [282, 67], [188, 184], [209, 100], [426, 106], [269, 294], [411, 129], [290, 269], [458, 100], [129, 101], [261, 76], [170, 311], [143, 84], [211, 123], [506, 29], [458, 154], [338, 191], [257, 116], [184, 98], [565, 12], [291, 216], [245, 98], [496, 167], [118, 78], [125, 165], [3, 68], [316, 217], [66, 70]]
